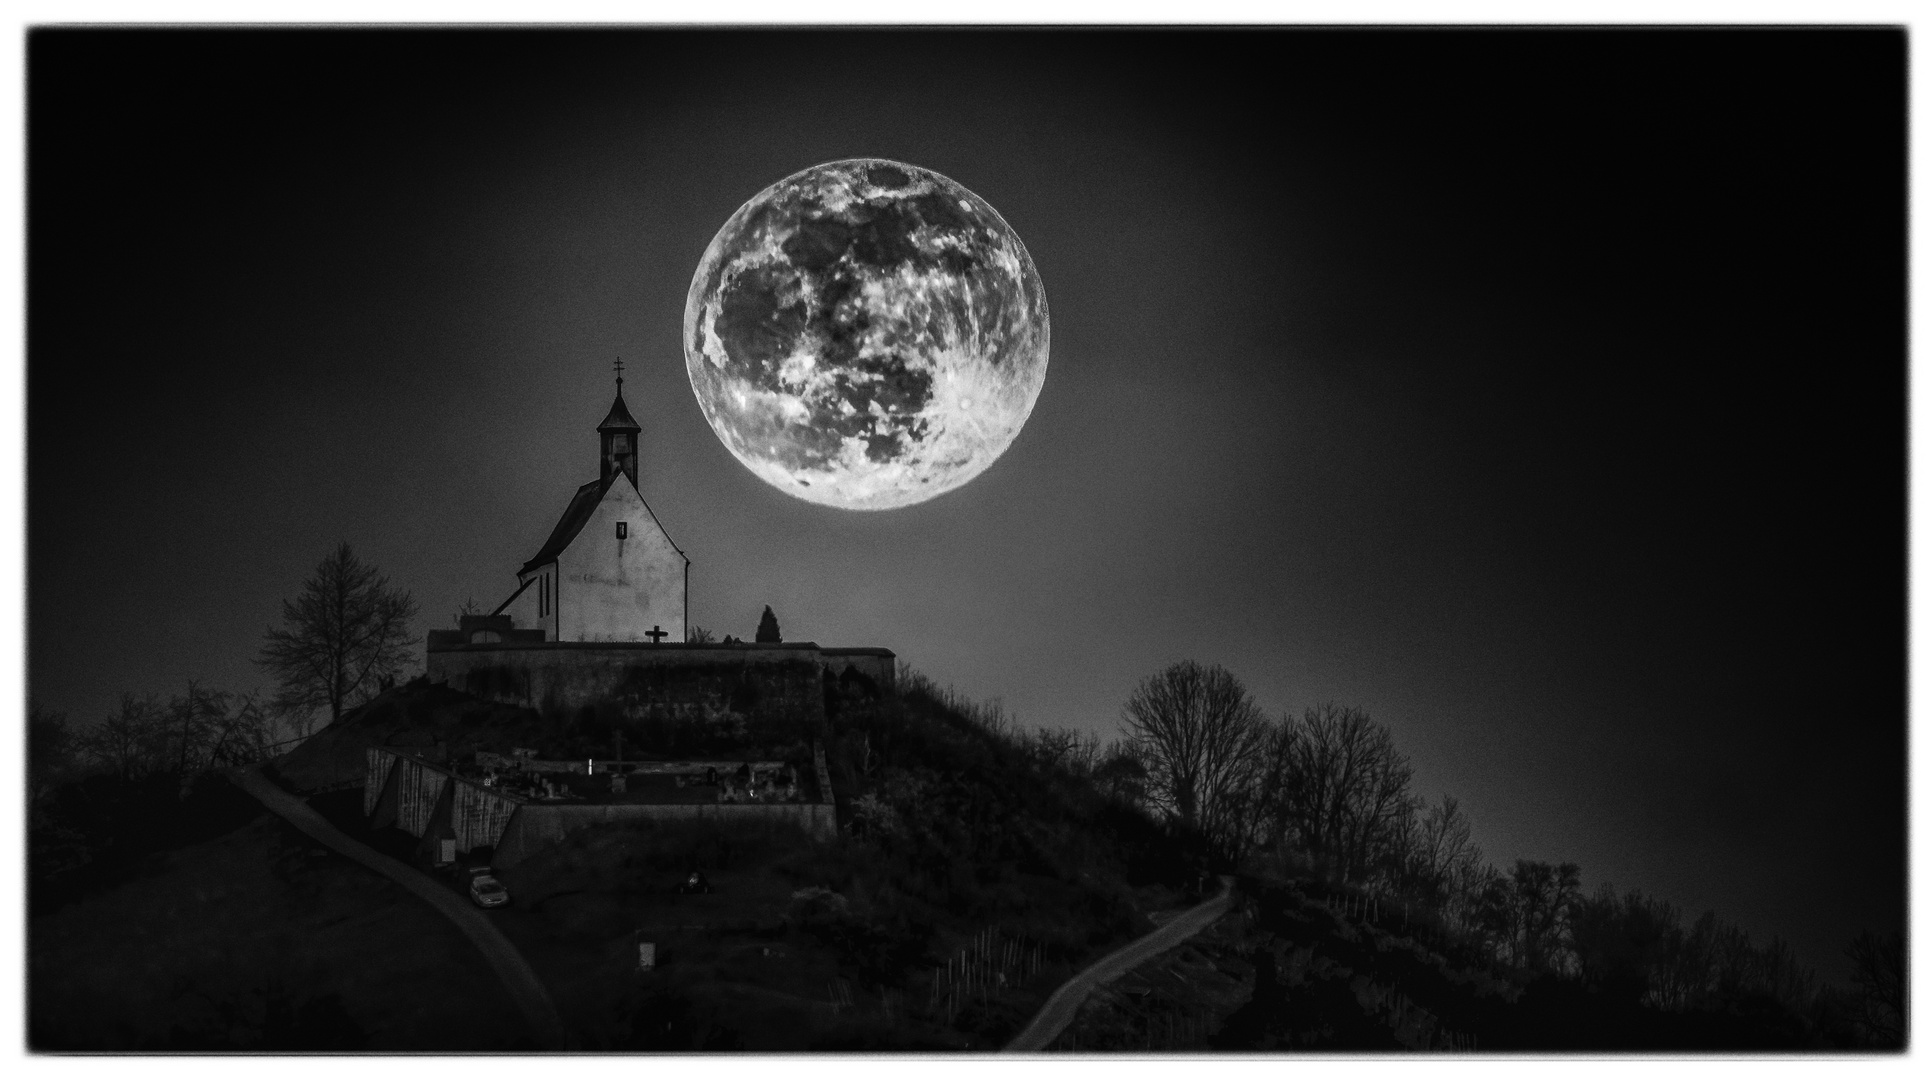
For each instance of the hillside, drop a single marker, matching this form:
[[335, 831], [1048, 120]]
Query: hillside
[[956, 836], [977, 867], [972, 879]]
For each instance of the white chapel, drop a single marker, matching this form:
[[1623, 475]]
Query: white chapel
[[609, 571]]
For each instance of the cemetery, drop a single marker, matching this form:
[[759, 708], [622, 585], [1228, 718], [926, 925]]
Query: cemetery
[[509, 806]]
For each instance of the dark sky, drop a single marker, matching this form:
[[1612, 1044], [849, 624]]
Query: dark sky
[[1541, 392]]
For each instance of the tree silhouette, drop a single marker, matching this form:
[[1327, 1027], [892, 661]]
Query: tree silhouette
[[1544, 896], [1433, 852], [193, 724], [344, 633], [1336, 786], [768, 628], [1122, 774], [1200, 735], [1878, 973], [130, 742], [1621, 942]]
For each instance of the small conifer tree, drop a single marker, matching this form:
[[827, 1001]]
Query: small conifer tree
[[768, 627]]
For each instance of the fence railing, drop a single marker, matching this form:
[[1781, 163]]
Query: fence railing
[[992, 963]]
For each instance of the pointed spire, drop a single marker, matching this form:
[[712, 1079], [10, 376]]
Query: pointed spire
[[620, 417]]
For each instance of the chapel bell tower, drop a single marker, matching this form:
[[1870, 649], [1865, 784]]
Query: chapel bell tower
[[617, 438]]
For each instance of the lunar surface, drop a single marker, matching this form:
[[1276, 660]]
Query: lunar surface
[[866, 334]]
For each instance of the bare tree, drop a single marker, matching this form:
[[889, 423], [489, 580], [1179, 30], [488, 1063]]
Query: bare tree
[[1781, 975], [1639, 944], [1878, 974], [1336, 786], [192, 723], [345, 632], [1682, 977], [1468, 887], [243, 735], [1064, 749], [1435, 852], [1541, 898], [1621, 941], [1200, 736], [130, 742]]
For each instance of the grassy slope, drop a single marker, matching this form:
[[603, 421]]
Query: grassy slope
[[260, 939]]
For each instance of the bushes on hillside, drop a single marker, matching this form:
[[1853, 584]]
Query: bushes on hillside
[[141, 780]]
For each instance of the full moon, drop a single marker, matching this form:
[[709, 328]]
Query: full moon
[[866, 334]]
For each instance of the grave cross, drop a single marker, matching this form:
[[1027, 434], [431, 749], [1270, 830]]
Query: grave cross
[[656, 634]]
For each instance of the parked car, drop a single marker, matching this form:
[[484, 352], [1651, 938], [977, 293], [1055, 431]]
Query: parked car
[[488, 892]]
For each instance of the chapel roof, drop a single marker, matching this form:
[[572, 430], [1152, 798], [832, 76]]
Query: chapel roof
[[575, 516], [620, 417]]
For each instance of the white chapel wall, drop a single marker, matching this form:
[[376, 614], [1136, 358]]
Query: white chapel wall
[[617, 589]]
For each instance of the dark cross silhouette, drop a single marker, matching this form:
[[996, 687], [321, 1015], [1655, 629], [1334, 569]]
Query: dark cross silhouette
[[618, 366], [656, 635]]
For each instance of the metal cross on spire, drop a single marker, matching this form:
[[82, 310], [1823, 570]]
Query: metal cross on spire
[[618, 366]]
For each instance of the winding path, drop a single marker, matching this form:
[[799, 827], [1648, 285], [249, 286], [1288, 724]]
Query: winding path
[[1060, 1009], [522, 983]]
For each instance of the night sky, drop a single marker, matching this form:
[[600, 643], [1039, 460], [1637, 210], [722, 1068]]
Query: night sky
[[1543, 393]]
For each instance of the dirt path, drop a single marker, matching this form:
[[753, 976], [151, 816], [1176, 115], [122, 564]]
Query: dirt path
[[1059, 1010], [522, 983]]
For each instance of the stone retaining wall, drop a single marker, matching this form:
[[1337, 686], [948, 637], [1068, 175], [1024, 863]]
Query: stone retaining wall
[[670, 680], [421, 798], [536, 827]]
